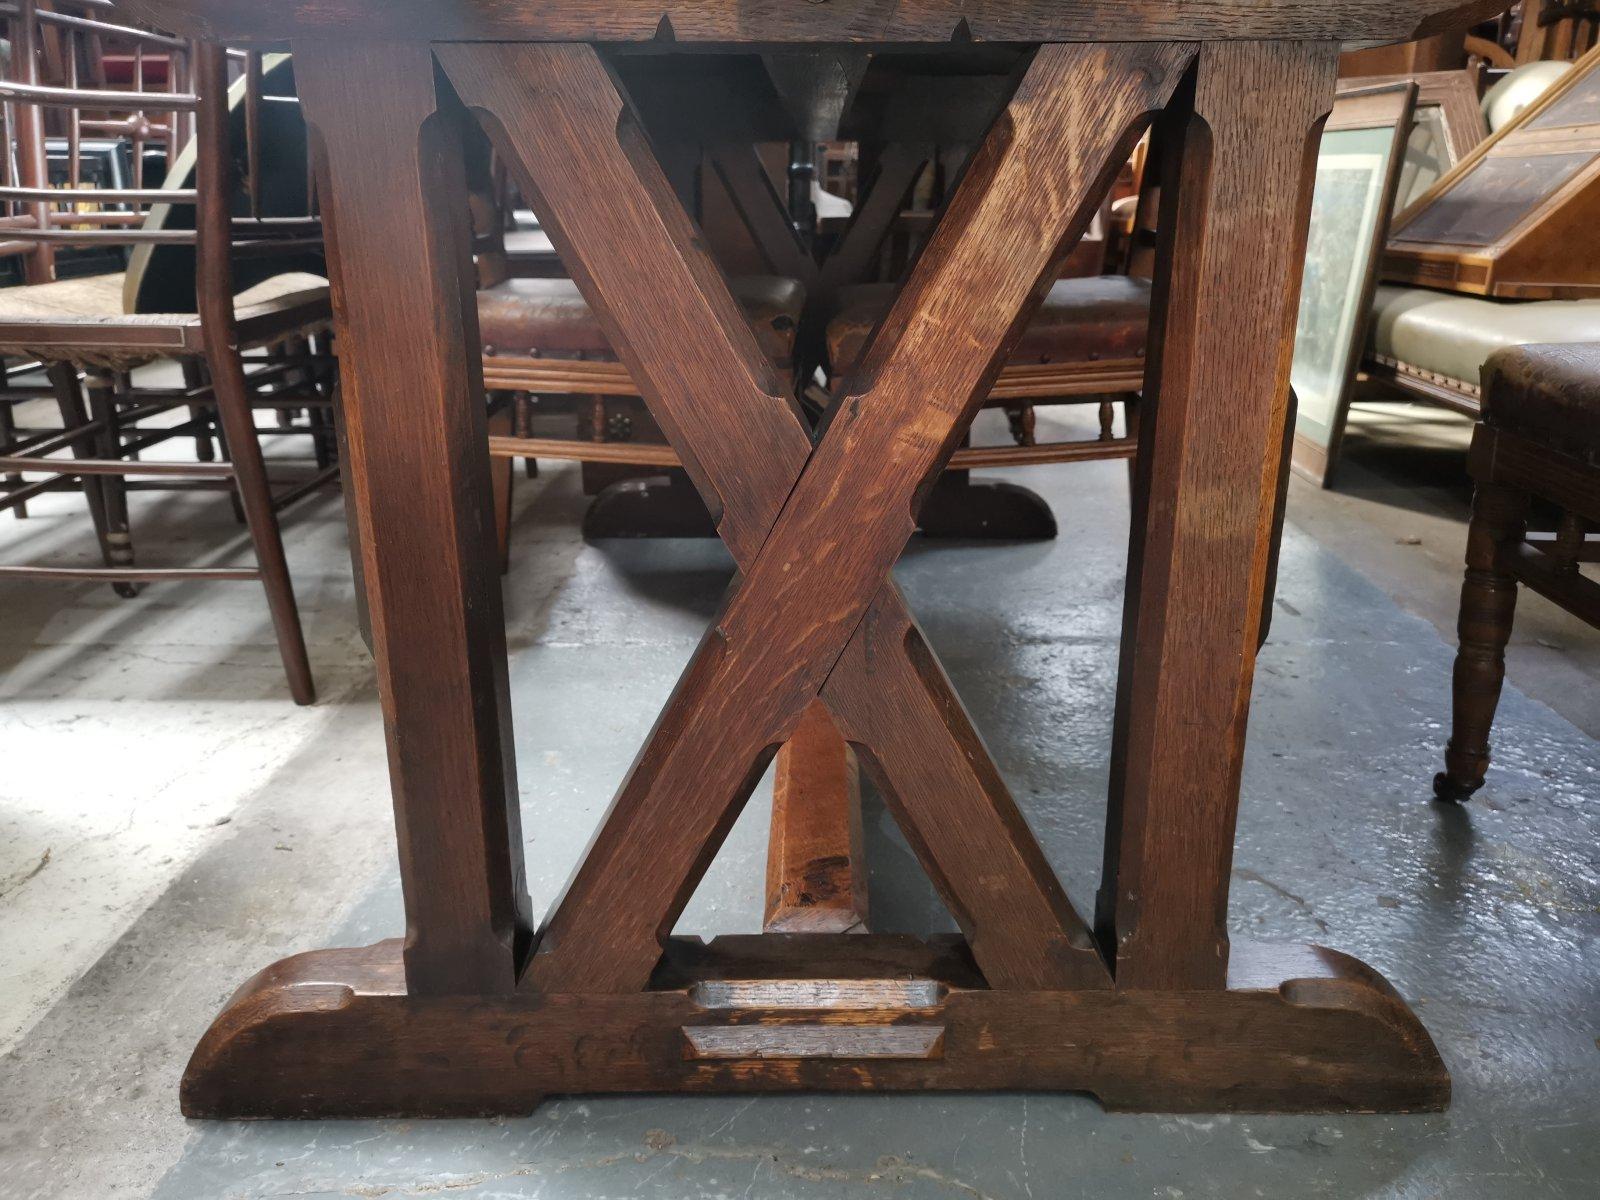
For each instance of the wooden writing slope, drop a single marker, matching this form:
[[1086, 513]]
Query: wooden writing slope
[[1148, 1007], [1516, 218]]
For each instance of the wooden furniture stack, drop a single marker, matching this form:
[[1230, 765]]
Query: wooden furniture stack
[[1149, 1004]]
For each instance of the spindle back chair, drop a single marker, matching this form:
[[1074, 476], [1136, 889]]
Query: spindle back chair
[[78, 332]]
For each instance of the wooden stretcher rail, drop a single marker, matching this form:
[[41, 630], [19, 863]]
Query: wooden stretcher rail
[[101, 195], [117, 466], [644, 454], [131, 574], [1576, 593], [1049, 380], [561, 376], [93, 237], [122, 33], [54, 97]]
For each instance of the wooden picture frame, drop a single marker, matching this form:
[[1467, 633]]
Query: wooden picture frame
[[1358, 171], [1449, 125], [1507, 220]]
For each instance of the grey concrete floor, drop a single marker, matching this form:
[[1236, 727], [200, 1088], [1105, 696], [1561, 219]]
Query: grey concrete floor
[[169, 823]]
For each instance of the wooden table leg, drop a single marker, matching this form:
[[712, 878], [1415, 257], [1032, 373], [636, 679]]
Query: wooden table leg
[[1234, 229], [393, 197]]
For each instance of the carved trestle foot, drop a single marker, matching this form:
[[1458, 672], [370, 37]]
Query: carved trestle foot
[[333, 1033]]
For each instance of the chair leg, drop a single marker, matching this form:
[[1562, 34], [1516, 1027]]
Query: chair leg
[[502, 477], [222, 438], [1488, 606], [69, 403], [116, 538], [1130, 419], [522, 424], [322, 438], [8, 434], [255, 498], [205, 449]]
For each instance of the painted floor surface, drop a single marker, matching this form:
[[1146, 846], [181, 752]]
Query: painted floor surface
[[225, 829]]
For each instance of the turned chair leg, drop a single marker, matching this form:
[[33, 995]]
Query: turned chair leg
[[63, 378], [205, 449], [8, 434], [117, 537], [502, 476], [522, 424], [1488, 606], [1130, 419]]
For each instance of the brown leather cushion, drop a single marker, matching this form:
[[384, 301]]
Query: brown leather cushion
[[548, 318], [1096, 319], [1550, 394]]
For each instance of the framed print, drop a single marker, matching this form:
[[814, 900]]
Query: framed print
[[1448, 126], [1358, 172]]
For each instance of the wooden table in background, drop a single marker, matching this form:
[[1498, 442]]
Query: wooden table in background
[[1147, 1005]]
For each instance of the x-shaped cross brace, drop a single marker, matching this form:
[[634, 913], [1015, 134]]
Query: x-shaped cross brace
[[438, 1024], [815, 529]]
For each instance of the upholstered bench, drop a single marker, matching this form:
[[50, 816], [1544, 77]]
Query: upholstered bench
[[1434, 344], [1539, 438]]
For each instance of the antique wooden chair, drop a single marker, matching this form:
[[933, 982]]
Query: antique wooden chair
[[1556, 29], [540, 338], [545, 350], [1539, 440], [78, 331]]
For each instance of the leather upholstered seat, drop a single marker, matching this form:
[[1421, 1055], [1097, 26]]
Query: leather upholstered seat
[[549, 318], [1549, 394], [1083, 320], [1453, 335]]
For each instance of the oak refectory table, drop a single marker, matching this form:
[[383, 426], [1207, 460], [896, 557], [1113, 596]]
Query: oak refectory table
[[1147, 1005]]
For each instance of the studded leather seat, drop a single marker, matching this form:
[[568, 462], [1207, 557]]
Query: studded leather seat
[[1549, 394], [549, 318], [1096, 319]]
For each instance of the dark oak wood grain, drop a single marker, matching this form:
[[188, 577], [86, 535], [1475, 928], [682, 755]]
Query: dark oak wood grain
[[816, 875], [882, 21], [1299, 1029], [393, 195], [813, 629], [931, 362], [1210, 454]]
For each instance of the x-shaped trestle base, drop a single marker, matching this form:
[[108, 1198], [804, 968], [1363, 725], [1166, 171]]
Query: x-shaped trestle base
[[476, 1013]]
